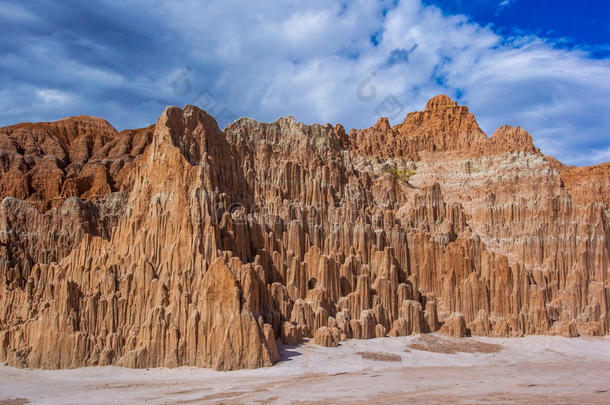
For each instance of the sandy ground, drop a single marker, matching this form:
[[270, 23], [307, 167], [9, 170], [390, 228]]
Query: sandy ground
[[426, 369]]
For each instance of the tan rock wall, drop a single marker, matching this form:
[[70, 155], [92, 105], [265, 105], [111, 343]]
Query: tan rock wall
[[192, 246]]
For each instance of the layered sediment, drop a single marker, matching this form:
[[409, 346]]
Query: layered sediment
[[181, 244]]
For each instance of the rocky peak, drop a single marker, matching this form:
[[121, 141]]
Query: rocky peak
[[67, 129], [83, 124], [192, 130], [511, 139], [442, 126], [383, 124], [440, 102]]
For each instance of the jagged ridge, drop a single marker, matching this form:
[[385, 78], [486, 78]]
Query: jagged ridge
[[180, 244]]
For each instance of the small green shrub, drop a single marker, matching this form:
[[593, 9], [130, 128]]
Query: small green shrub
[[401, 174]]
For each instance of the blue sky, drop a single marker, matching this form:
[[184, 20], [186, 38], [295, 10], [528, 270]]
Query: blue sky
[[584, 23], [544, 65]]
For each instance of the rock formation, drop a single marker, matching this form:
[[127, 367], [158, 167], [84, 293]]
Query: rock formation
[[181, 244]]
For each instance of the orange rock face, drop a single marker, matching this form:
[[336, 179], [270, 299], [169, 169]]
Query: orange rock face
[[181, 244]]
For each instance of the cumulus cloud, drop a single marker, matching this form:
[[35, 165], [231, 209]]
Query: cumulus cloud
[[321, 61]]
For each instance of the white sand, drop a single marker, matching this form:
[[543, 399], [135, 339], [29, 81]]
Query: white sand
[[533, 369]]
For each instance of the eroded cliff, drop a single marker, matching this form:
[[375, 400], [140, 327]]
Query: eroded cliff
[[181, 244]]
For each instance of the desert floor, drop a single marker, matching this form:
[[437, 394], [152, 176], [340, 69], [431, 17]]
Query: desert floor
[[428, 369]]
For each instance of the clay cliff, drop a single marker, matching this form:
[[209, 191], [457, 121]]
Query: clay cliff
[[181, 244]]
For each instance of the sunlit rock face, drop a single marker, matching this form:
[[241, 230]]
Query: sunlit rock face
[[181, 244]]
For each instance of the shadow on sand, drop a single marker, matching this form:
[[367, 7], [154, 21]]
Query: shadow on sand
[[288, 352]]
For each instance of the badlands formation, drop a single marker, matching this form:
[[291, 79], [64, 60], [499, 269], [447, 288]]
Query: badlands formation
[[181, 244]]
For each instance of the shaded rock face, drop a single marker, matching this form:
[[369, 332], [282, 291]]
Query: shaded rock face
[[188, 245]]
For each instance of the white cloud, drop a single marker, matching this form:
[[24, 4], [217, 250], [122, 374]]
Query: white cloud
[[51, 96], [265, 59], [505, 3], [593, 158], [601, 156]]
